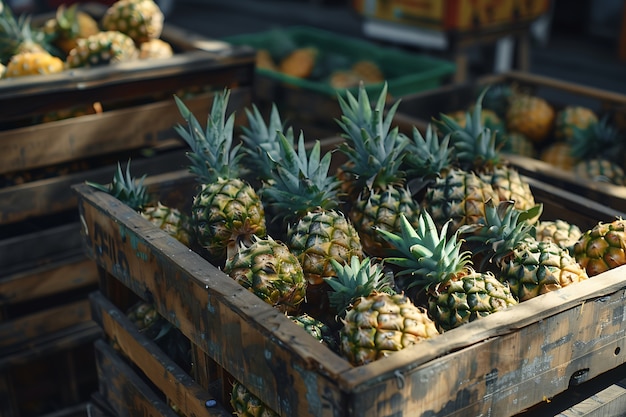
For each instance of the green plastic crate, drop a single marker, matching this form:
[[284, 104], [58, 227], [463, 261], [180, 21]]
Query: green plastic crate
[[404, 72]]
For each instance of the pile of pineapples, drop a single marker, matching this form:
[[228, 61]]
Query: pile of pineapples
[[573, 138], [128, 30], [378, 244]]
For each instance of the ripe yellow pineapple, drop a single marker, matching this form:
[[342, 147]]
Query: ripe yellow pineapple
[[530, 115], [33, 63], [299, 63], [559, 154], [155, 49]]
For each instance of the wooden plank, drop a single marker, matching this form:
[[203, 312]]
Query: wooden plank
[[65, 339], [498, 365], [28, 331], [168, 377], [136, 126], [66, 275], [126, 393], [610, 402]]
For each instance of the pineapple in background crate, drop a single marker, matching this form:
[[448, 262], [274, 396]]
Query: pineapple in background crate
[[24, 50]]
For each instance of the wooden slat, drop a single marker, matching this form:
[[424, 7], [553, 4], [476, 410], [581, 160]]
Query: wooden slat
[[28, 331], [498, 365], [67, 275], [610, 402], [126, 393], [168, 377]]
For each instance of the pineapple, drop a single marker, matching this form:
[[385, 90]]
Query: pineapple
[[561, 232], [102, 48], [476, 151], [23, 49], [559, 154], [17, 35], [599, 148], [376, 321], [141, 20], [134, 194], [367, 71], [306, 198], [68, 25], [456, 293], [497, 98], [602, 248], [530, 115], [530, 267], [226, 211], [375, 153], [517, 144], [268, 269], [299, 63], [155, 49], [570, 118], [33, 63]]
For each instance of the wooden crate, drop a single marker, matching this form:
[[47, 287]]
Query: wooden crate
[[499, 365], [418, 110]]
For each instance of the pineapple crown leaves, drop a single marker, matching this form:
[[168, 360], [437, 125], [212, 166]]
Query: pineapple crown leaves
[[15, 32], [300, 180], [427, 156], [260, 140], [376, 149], [428, 256], [501, 230], [600, 139], [126, 188], [354, 279], [476, 145], [212, 153], [67, 19]]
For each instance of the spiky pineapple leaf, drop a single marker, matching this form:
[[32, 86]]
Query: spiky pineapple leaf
[[126, 188], [212, 153]]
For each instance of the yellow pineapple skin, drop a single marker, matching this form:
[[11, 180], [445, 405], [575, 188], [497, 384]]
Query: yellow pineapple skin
[[571, 117], [559, 154], [299, 63], [33, 63], [531, 116]]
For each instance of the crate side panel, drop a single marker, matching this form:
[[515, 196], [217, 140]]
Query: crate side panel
[[508, 373], [227, 322], [172, 381]]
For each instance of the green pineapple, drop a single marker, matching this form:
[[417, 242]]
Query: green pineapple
[[268, 269], [305, 195], [141, 20], [374, 152], [376, 322], [226, 211], [517, 144], [103, 48], [432, 261], [602, 248], [530, 267], [134, 194]]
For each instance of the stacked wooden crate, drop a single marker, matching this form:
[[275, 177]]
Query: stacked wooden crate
[[501, 365], [46, 331]]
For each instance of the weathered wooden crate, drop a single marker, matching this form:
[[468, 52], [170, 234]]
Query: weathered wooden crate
[[418, 110], [500, 365]]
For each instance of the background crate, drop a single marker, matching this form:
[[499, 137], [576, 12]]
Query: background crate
[[418, 109], [312, 102], [454, 15], [501, 364]]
